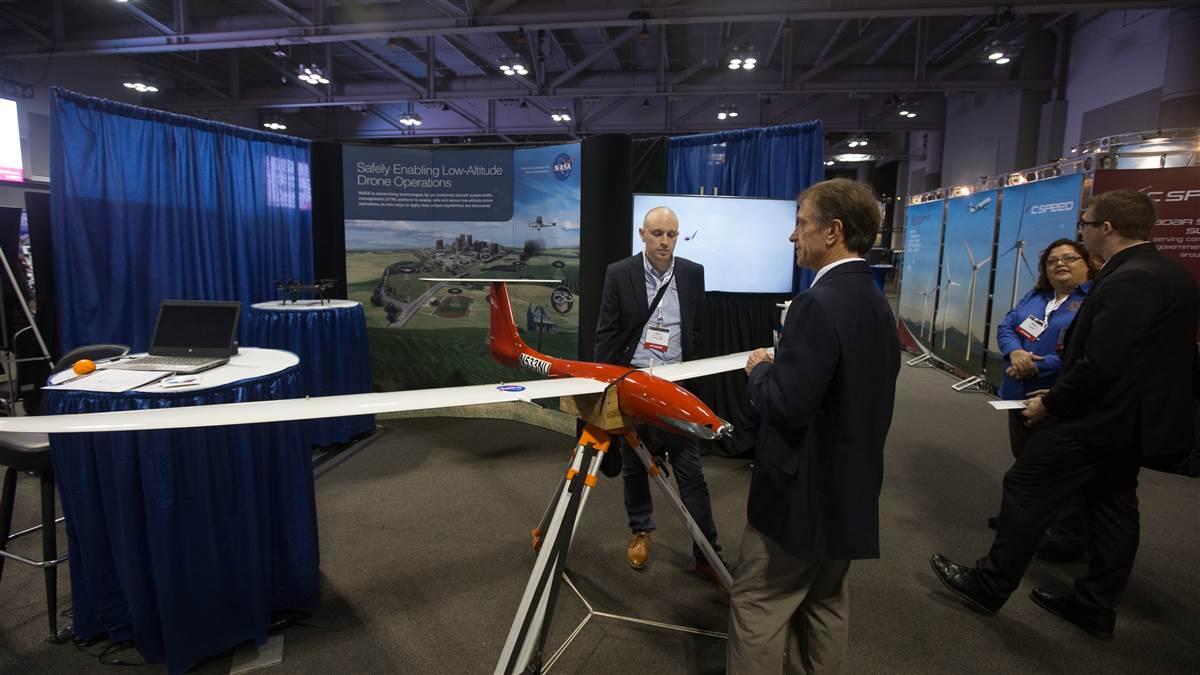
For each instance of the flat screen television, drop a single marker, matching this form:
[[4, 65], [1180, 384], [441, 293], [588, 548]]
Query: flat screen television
[[11, 167], [741, 241]]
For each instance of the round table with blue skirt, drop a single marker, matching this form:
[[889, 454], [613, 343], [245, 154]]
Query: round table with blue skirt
[[331, 340], [186, 541]]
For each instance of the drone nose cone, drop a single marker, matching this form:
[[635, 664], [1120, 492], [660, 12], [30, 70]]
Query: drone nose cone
[[703, 432]]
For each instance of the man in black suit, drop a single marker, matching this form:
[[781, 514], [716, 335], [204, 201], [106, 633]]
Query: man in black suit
[[628, 333], [825, 401], [1124, 398]]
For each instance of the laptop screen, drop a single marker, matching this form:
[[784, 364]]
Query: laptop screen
[[195, 328]]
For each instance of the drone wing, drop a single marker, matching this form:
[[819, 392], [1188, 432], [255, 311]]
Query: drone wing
[[287, 410]]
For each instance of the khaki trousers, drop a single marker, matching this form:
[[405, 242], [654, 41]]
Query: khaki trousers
[[786, 614]]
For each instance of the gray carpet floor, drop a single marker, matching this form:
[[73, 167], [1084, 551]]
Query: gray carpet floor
[[425, 552]]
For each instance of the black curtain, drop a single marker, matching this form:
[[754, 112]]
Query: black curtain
[[605, 214], [328, 216], [736, 322]]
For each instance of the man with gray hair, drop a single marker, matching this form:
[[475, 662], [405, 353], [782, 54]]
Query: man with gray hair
[[825, 400]]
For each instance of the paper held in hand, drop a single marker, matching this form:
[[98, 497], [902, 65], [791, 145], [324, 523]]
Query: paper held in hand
[[1007, 405]]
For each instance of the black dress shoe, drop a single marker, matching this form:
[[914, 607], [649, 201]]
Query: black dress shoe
[[962, 582], [994, 522], [1054, 552], [1097, 623]]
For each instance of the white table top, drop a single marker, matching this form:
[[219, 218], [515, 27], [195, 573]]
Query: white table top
[[307, 305], [248, 363]]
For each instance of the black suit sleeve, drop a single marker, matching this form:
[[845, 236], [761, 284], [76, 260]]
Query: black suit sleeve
[[608, 326], [1122, 315], [788, 394]]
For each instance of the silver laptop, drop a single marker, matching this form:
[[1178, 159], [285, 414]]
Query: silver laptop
[[189, 337]]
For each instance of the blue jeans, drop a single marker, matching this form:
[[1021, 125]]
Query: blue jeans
[[684, 456]]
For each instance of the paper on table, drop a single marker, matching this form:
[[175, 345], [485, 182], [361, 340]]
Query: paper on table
[[111, 380], [1007, 405]]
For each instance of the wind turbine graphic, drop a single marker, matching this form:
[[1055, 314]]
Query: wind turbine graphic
[[950, 283], [925, 317], [975, 267], [1019, 258]]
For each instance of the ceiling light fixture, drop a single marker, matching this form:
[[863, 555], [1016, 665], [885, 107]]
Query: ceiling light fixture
[[743, 59], [410, 119], [278, 52], [830, 162], [141, 87], [560, 115], [311, 74], [995, 56], [274, 124], [727, 111], [1002, 61], [512, 66], [854, 157]]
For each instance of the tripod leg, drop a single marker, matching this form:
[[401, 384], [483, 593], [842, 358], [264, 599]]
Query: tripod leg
[[533, 612], [539, 532], [694, 529]]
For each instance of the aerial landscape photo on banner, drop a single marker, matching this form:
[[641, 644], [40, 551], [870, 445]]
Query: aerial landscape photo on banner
[[480, 213]]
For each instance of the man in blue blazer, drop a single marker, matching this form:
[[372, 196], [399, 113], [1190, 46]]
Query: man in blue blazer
[[825, 400]]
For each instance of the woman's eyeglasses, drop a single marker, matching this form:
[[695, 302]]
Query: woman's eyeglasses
[[1068, 259]]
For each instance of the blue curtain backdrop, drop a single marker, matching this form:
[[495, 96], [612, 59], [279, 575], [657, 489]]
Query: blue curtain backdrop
[[774, 162], [148, 206]]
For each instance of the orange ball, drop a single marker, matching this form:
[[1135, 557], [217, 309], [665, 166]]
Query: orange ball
[[83, 366]]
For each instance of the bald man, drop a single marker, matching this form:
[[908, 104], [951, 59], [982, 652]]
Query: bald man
[[635, 330]]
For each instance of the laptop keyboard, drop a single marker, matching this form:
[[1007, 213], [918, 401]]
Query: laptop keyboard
[[164, 362]]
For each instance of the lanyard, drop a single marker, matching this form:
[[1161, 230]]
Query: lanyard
[[1051, 306]]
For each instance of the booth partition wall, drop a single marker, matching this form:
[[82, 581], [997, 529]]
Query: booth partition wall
[[971, 252]]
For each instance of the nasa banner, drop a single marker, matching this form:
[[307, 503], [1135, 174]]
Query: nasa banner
[[425, 335], [1176, 196], [966, 273], [1031, 217], [919, 281], [382, 183]]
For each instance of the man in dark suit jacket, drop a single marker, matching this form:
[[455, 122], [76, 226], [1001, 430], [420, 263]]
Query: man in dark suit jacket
[[1124, 398], [825, 400], [629, 334]]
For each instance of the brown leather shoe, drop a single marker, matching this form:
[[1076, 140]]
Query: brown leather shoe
[[704, 569], [637, 551]]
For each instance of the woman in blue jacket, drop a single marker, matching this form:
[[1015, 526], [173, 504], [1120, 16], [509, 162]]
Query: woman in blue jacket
[[1030, 337]]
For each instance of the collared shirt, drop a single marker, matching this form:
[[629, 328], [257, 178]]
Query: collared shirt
[[835, 263], [666, 315], [1038, 304], [1127, 248]]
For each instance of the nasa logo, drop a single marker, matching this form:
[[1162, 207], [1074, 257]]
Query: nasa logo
[[510, 387], [535, 364], [562, 166], [1054, 207]]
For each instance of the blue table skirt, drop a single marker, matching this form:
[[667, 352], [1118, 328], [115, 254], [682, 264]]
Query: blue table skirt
[[186, 540], [334, 359]]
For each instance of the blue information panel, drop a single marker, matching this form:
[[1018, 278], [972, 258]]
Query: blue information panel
[[383, 183], [966, 271], [918, 286], [1031, 217]]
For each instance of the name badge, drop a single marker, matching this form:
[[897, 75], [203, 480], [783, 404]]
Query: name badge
[[658, 339], [1032, 327]]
